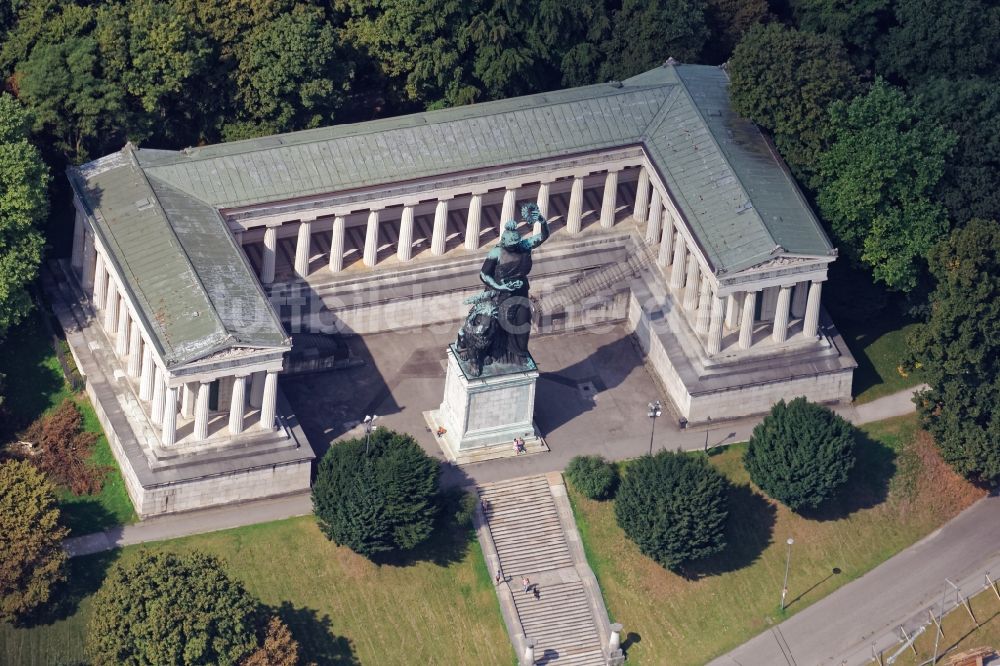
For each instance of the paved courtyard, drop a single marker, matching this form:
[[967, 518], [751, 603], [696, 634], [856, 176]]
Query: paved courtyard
[[592, 397]]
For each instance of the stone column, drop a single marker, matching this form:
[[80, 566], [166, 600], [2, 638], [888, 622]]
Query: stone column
[[715, 325], [507, 211], [337, 245], [655, 218], [111, 306], [610, 201], [780, 332], [573, 217], [76, 255], [666, 241], [732, 312], [543, 199], [472, 222], [148, 373], [270, 251], [439, 236], [134, 349], [679, 264], [89, 262], [187, 401], [746, 319], [169, 432], [704, 306], [267, 409], [303, 248], [156, 412], [404, 246], [100, 282], [371, 239], [641, 197], [237, 404], [810, 324], [691, 284], [257, 389], [122, 334], [201, 411]]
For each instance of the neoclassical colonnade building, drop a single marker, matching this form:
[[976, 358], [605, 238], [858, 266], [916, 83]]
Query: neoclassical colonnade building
[[668, 211]]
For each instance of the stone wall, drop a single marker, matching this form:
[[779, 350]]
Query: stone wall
[[236, 486]]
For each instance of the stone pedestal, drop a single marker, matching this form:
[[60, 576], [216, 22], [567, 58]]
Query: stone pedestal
[[481, 416]]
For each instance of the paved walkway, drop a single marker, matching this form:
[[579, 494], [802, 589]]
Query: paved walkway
[[249, 513], [527, 530], [843, 627]]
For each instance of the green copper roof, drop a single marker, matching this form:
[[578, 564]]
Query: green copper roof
[[730, 187], [191, 284]]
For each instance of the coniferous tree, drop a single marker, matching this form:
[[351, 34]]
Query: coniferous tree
[[32, 559], [380, 500], [674, 507], [959, 349], [800, 454]]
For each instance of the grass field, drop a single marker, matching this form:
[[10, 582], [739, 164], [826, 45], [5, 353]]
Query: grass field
[[960, 632], [35, 384], [439, 607], [725, 601], [879, 347]]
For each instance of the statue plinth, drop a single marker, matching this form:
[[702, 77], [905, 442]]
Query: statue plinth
[[482, 415]]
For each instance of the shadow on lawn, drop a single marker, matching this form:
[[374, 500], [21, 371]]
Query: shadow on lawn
[[317, 642], [449, 543], [867, 484], [749, 531], [84, 577]]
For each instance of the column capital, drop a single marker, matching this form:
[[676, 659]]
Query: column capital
[[273, 225]]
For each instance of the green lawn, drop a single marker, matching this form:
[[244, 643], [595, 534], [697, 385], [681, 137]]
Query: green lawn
[[879, 347], [35, 384], [960, 632], [439, 607], [723, 602]]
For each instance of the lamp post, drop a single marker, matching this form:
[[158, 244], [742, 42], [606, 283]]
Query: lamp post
[[788, 561], [655, 409], [369, 426]]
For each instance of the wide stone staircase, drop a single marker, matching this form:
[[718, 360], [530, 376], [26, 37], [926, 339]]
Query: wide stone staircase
[[614, 275], [530, 539]]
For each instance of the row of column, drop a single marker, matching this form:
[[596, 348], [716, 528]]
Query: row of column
[[303, 244], [713, 314], [137, 354]]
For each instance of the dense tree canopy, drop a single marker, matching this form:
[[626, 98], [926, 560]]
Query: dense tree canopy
[[23, 206], [880, 178], [674, 507], [644, 33], [784, 80], [378, 500], [728, 21], [857, 24], [156, 59], [959, 349], [593, 476], [166, 608], [289, 75], [970, 108], [32, 560], [952, 38], [800, 454]]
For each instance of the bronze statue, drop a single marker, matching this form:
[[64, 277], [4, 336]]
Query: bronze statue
[[499, 322]]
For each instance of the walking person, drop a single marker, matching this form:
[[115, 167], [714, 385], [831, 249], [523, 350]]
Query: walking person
[[526, 584]]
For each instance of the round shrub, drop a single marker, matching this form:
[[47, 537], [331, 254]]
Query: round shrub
[[800, 454], [674, 507], [381, 501], [593, 476], [167, 608]]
